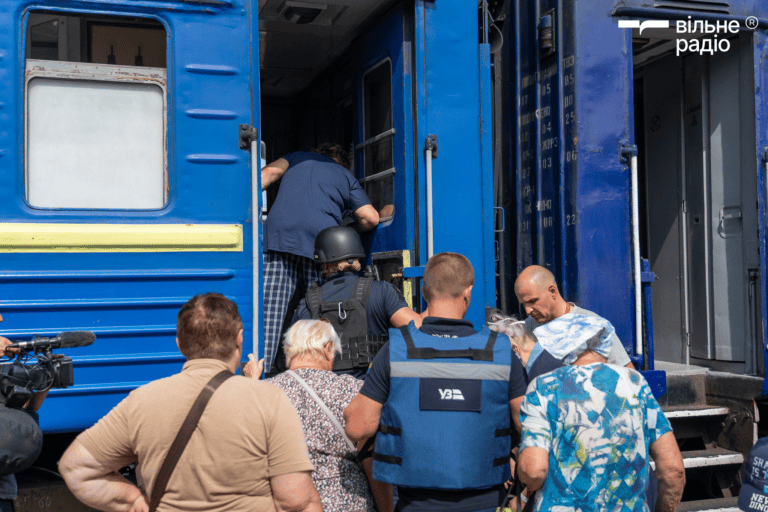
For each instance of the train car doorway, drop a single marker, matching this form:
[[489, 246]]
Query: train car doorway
[[695, 131], [381, 77], [337, 74]]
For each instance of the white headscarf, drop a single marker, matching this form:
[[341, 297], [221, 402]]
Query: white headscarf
[[568, 336]]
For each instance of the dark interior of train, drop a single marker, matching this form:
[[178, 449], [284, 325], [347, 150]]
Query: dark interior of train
[[695, 131], [307, 77], [123, 41]]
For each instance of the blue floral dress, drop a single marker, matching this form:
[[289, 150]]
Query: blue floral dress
[[597, 422]]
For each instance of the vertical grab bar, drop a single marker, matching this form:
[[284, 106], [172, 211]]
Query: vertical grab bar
[[430, 146], [255, 226], [636, 256], [628, 155]]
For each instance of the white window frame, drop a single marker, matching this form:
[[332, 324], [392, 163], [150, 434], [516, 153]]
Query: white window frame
[[380, 136], [80, 71]]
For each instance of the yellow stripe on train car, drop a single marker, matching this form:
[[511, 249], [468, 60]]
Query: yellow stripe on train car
[[31, 237]]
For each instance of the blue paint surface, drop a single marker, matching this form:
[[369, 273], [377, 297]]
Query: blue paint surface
[[761, 156], [586, 91], [388, 41], [573, 108], [453, 103], [131, 299]]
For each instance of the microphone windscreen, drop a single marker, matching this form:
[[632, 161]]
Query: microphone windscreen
[[72, 339]]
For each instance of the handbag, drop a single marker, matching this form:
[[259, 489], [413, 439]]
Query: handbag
[[182, 438]]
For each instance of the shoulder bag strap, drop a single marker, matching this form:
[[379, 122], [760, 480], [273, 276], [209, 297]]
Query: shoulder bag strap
[[182, 438], [324, 407]]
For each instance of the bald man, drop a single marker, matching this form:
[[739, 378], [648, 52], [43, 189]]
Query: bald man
[[537, 292]]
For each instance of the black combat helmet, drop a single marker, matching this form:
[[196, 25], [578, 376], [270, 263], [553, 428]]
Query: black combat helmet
[[338, 243]]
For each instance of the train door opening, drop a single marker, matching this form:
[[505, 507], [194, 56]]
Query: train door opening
[[695, 131], [339, 75]]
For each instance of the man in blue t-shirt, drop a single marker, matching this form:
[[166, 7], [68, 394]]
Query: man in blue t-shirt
[[316, 191], [448, 281]]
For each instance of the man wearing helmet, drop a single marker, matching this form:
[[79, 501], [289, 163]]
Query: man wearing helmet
[[361, 309]]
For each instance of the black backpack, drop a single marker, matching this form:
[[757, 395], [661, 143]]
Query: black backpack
[[350, 320]]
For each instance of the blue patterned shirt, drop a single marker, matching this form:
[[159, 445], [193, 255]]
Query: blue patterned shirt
[[597, 422]]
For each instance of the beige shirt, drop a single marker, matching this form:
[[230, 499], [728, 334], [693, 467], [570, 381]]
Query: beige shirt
[[248, 433]]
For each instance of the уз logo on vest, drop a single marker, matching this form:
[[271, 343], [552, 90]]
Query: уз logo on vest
[[450, 394]]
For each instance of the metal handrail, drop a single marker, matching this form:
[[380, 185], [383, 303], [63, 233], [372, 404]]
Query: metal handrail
[[377, 176], [377, 138]]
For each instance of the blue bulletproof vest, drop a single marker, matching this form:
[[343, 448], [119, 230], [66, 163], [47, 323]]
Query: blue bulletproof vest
[[446, 423]]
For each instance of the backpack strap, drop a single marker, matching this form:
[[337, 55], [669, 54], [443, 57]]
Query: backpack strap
[[314, 298], [362, 290]]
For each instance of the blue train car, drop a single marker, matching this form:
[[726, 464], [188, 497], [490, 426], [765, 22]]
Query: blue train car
[[118, 120], [129, 132], [636, 142]]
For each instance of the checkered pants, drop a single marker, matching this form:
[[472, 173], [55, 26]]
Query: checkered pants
[[281, 273]]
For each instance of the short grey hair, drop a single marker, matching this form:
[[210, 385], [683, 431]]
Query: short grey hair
[[512, 327], [309, 338]]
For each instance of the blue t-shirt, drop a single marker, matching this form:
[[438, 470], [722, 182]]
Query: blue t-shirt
[[314, 193], [383, 301], [376, 387]]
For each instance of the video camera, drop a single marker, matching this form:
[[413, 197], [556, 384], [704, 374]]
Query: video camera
[[40, 370]]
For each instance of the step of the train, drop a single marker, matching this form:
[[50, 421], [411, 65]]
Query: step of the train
[[686, 385], [704, 430], [709, 458], [716, 505]]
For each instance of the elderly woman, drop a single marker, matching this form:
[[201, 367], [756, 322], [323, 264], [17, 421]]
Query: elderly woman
[[310, 347], [535, 357]]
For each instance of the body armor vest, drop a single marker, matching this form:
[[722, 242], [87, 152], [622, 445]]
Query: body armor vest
[[349, 318], [447, 409]]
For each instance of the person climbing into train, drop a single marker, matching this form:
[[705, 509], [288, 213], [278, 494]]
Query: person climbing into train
[[360, 308], [316, 190], [588, 429], [443, 398], [538, 294]]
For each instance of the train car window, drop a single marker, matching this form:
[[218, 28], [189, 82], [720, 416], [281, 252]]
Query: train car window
[[377, 147], [95, 113]]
